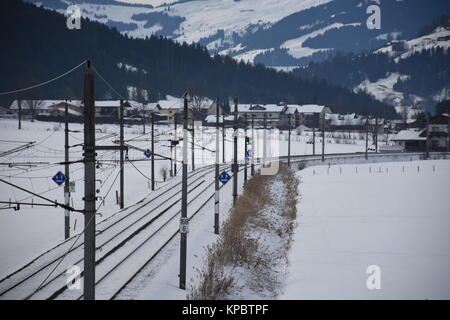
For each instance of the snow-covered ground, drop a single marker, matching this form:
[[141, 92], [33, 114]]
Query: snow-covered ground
[[26, 233], [394, 216]]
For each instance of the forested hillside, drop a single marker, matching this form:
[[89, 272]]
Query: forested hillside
[[423, 66], [37, 45]]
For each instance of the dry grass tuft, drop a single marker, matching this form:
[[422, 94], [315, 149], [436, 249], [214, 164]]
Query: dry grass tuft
[[237, 249]]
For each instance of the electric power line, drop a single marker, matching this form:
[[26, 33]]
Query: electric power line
[[43, 83]]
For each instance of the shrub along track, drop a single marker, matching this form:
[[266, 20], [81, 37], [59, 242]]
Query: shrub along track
[[249, 259]]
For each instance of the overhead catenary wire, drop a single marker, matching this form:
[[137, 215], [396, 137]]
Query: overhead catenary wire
[[43, 83], [107, 83], [50, 189], [149, 179], [41, 197]]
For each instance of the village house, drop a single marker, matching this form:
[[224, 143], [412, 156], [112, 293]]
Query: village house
[[291, 116], [283, 115], [312, 115], [29, 106], [173, 107], [269, 114], [438, 128], [210, 120], [58, 110], [5, 113], [411, 140], [354, 123]]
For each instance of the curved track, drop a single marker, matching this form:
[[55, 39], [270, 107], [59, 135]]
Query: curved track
[[127, 241]]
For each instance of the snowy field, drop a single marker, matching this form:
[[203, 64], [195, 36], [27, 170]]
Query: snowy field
[[394, 216], [28, 232]]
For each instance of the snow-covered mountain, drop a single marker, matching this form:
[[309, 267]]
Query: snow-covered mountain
[[278, 33], [401, 51], [439, 38]]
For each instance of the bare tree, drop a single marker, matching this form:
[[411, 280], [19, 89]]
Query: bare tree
[[34, 106], [164, 173], [199, 106], [198, 101]]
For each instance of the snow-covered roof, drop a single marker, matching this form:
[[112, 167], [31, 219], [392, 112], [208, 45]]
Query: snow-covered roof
[[212, 119], [41, 104], [170, 104], [151, 106], [69, 110], [291, 108], [135, 104], [351, 119], [310, 108], [107, 103], [177, 103], [345, 119], [409, 135], [248, 108]]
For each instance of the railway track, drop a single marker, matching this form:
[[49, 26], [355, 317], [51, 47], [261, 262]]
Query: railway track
[[113, 233], [127, 241]]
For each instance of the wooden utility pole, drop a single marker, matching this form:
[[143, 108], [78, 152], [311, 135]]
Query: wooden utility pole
[[89, 184], [448, 129], [367, 138], [254, 145], [153, 151], [323, 137], [223, 139], [175, 147], [216, 176], [184, 220], [143, 119], [67, 174], [265, 140], [376, 135], [19, 105], [193, 143], [121, 138], [246, 142], [235, 158], [314, 140], [289, 141]]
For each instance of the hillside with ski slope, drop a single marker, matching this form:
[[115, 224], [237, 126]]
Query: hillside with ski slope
[[385, 89], [403, 73], [277, 33], [439, 38]]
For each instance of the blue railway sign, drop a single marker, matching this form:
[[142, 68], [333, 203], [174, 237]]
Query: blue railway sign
[[59, 178], [148, 153], [224, 177]]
